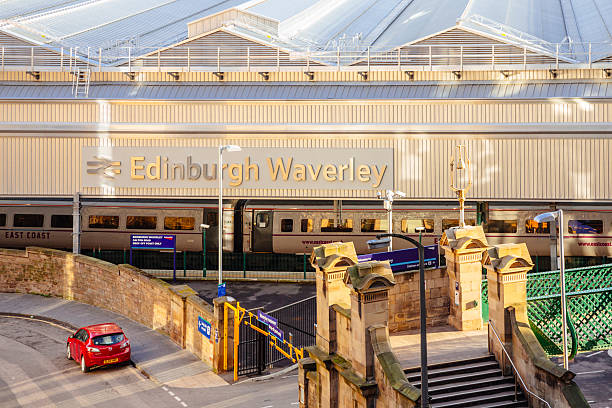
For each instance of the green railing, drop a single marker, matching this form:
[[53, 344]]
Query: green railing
[[589, 303], [189, 261]]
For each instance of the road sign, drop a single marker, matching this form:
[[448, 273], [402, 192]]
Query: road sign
[[405, 259], [204, 327], [221, 289], [276, 332], [266, 318]]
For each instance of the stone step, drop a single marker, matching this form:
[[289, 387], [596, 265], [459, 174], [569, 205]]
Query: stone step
[[452, 394], [469, 385], [455, 363], [464, 377], [480, 401], [459, 369]]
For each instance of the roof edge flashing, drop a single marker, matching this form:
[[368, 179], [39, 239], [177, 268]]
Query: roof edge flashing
[[229, 17]]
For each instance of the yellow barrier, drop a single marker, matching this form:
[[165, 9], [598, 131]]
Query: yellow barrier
[[294, 354]]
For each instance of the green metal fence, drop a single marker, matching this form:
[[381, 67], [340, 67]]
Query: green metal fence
[[589, 303], [189, 261]]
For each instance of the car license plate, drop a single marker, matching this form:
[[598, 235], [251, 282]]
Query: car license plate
[[110, 361]]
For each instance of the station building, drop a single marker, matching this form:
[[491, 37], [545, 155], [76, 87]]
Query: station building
[[328, 100]]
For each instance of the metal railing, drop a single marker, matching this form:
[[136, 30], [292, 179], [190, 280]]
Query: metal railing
[[517, 374], [434, 57]]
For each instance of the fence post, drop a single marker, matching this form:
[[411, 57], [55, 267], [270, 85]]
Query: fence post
[[249, 59], [100, 59], [590, 56], [32, 59], [124, 256], [184, 264], [430, 59], [218, 59], [188, 59], [2, 58], [244, 264]]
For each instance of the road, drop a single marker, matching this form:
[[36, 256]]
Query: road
[[269, 295], [35, 372]]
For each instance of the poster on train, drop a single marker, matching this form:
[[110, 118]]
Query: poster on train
[[405, 259]]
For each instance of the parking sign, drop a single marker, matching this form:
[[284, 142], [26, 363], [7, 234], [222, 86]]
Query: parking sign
[[204, 327]]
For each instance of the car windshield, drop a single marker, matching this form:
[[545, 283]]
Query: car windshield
[[108, 339]]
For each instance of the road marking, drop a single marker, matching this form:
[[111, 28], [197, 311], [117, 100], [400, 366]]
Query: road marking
[[177, 398], [183, 404], [295, 403], [268, 406], [597, 352], [591, 372], [164, 388], [171, 393]]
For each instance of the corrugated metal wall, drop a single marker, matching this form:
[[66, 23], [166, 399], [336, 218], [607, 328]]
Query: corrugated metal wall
[[504, 167]]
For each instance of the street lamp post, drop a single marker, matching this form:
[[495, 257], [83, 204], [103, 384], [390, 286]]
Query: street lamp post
[[204, 227], [381, 241], [420, 231], [388, 198], [229, 148], [558, 216]]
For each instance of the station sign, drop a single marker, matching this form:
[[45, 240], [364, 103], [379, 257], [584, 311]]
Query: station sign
[[405, 259], [260, 168], [204, 327], [153, 241], [266, 318], [276, 332]]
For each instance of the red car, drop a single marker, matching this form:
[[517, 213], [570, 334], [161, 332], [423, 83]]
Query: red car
[[98, 345]]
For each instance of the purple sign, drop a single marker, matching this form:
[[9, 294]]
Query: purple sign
[[153, 241], [266, 318], [405, 259], [276, 332]]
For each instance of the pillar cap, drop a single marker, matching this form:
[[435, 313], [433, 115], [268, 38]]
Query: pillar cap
[[333, 255], [466, 239], [369, 276], [508, 258]]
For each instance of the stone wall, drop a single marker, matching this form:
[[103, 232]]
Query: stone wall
[[404, 300], [122, 289]]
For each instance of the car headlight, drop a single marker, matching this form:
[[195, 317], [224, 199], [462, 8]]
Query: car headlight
[[93, 349]]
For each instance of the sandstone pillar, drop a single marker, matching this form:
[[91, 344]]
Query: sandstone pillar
[[463, 249], [369, 283], [178, 312], [507, 266], [330, 262], [218, 351]]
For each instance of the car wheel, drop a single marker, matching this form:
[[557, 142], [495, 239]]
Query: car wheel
[[68, 355], [84, 368]]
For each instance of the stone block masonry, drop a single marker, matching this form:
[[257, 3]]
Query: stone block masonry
[[122, 289]]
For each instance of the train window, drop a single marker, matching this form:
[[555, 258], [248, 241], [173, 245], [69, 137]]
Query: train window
[[28, 220], [501, 226], [374, 225], [585, 226], [411, 226], [307, 225], [179, 223], [330, 225], [454, 222], [211, 218], [2, 220], [287, 225], [262, 220], [104, 221], [141, 222], [532, 227], [61, 221]]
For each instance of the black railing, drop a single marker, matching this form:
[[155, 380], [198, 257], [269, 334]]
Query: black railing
[[297, 321]]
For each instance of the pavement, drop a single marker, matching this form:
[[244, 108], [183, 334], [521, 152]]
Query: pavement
[[153, 353], [444, 344], [251, 295]]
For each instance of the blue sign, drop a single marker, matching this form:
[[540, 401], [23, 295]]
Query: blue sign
[[276, 332], [405, 259], [204, 327], [266, 318], [221, 289], [153, 241]]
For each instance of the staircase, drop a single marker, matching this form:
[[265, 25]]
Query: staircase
[[476, 382]]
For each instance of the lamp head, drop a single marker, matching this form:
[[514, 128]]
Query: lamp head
[[230, 148], [379, 243], [204, 226], [546, 217], [400, 194], [420, 229]]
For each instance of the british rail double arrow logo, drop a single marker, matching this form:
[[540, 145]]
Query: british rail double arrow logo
[[104, 166]]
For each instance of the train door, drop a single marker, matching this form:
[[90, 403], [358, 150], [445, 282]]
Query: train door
[[262, 231], [211, 217]]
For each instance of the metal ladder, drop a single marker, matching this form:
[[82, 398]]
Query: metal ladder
[[80, 82]]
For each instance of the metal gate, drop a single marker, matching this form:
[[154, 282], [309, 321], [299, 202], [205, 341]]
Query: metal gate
[[298, 321], [254, 342]]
